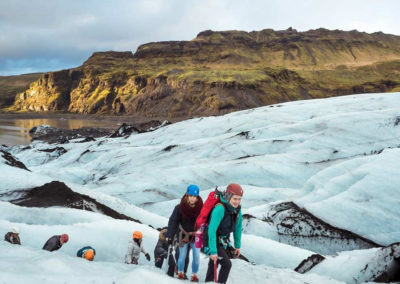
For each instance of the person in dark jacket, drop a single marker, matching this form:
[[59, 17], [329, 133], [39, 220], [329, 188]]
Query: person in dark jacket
[[226, 217], [161, 249], [182, 222], [55, 242], [13, 236], [87, 253], [161, 253]]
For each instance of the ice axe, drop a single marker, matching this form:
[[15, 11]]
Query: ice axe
[[167, 259], [215, 270]]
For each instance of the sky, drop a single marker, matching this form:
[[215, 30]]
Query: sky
[[50, 35]]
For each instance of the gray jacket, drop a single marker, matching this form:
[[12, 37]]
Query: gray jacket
[[133, 253], [53, 243]]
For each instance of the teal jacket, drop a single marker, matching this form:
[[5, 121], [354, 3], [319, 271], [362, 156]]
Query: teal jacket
[[217, 215]]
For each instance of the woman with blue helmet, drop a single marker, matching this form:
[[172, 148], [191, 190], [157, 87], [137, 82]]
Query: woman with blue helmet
[[182, 223]]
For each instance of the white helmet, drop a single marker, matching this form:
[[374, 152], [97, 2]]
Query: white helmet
[[15, 230]]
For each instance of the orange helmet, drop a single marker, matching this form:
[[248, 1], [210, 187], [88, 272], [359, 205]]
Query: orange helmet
[[89, 254], [137, 235]]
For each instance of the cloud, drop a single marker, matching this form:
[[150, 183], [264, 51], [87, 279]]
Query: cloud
[[49, 34]]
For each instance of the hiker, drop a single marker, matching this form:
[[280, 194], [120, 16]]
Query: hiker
[[161, 253], [226, 217], [161, 249], [135, 247], [55, 242], [182, 222], [87, 253], [13, 236]]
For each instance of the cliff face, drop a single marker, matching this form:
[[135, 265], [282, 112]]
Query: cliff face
[[220, 72], [50, 92], [12, 85]]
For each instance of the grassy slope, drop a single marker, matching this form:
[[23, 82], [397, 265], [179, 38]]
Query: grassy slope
[[330, 60]]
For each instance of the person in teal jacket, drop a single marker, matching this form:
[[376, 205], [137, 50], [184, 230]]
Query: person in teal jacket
[[87, 253], [226, 218]]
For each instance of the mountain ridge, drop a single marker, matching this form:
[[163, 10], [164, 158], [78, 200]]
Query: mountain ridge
[[221, 72]]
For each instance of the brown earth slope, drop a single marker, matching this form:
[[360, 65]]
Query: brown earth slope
[[220, 72]]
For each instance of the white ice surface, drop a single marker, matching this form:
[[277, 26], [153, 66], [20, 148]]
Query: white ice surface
[[336, 157]]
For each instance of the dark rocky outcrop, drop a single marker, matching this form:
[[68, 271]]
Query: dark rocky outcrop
[[169, 148], [385, 266], [298, 227], [87, 139], [382, 267], [57, 151], [12, 161], [307, 264], [58, 194], [124, 130], [62, 136], [154, 125]]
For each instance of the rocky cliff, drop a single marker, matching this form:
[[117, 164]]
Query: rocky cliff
[[11, 85], [220, 72]]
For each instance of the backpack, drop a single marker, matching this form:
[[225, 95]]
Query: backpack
[[204, 216]]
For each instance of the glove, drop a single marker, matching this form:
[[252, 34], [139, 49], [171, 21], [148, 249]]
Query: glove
[[169, 241], [186, 239], [147, 256]]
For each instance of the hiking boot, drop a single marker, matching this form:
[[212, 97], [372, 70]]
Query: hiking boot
[[181, 276], [194, 278], [185, 276]]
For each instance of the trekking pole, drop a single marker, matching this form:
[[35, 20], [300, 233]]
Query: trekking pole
[[167, 259], [215, 271], [241, 256]]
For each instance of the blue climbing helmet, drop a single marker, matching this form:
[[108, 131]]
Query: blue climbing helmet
[[193, 190]]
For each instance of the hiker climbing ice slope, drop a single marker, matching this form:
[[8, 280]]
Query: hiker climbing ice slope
[[182, 223], [135, 247], [226, 217]]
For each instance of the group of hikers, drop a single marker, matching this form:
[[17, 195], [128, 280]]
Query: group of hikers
[[192, 226], [52, 244]]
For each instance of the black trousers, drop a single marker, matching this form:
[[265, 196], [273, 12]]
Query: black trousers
[[171, 262], [225, 263], [159, 261]]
